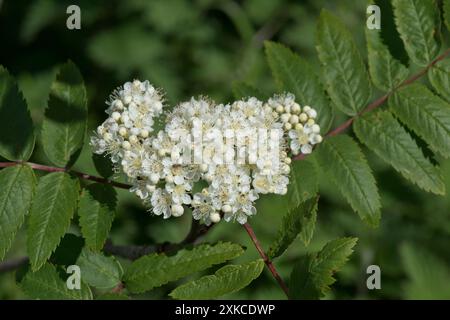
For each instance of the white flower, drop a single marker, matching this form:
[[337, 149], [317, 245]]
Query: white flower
[[161, 202], [140, 189], [179, 193], [203, 209], [262, 184], [202, 141]]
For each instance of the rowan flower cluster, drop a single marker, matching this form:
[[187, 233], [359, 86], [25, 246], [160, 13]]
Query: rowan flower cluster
[[215, 159]]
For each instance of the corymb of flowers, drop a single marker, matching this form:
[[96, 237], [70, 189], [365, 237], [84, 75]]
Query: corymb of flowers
[[213, 158]]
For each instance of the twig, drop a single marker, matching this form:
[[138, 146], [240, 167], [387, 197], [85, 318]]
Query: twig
[[378, 102], [266, 259], [129, 251], [85, 176], [13, 264]]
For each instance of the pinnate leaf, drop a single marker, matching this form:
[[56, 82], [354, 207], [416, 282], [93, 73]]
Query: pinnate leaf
[[297, 221], [390, 141], [312, 276], [155, 269], [228, 279]]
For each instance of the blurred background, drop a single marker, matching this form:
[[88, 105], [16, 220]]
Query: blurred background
[[193, 47]]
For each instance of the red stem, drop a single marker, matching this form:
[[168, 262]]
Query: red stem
[[266, 259], [85, 176], [378, 102]]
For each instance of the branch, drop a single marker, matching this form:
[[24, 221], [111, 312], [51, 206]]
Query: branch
[[81, 175], [13, 264], [266, 259], [378, 102]]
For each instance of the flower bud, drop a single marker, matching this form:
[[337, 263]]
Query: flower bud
[[293, 119], [226, 208], [123, 131], [303, 117], [144, 133], [116, 116], [133, 139], [295, 108], [177, 210], [126, 145], [279, 109], [215, 217]]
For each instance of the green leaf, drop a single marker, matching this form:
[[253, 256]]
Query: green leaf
[[155, 270], [294, 74], [16, 127], [312, 276], [390, 141], [53, 206], [303, 184], [386, 72], [46, 284], [17, 186], [426, 114], [439, 76], [447, 13], [416, 22], [96, 211], [243, 90], [297, 221], [428, 276], [343, 161], [228, 279], [65, 122], [98, 270], [345, 73], [103, 165]]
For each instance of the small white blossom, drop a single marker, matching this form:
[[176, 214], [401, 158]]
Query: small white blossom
[[203, 132]]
